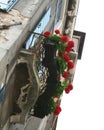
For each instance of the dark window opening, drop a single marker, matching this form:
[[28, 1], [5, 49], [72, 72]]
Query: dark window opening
[[81, 43]]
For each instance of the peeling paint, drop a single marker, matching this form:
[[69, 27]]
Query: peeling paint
[[3, 39], [12, 17]]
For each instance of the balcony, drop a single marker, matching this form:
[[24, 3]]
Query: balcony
[[23, 50]]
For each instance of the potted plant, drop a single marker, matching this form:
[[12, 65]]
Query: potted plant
[[57, 60]]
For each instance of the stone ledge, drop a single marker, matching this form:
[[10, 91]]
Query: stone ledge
[[32, 123], [27, 8], [2, 62]]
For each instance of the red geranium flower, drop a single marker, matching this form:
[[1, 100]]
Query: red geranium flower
[[64, 39], [47, 33], [71, 44], [60, 54], [57, 31], [57, 100], [70, 65], [65, 74], [67, 90], [68, 49], [70, 86], [66, 58], [57, 110]]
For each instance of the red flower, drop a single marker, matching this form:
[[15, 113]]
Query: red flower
[[65, 74], [64, 39], [71, 44], [57, 101], [70, 65], [57, 31], [47, 33], [66, 58], [57, 110], [70, 86], [67, 90], [60, 54], [68, 49]]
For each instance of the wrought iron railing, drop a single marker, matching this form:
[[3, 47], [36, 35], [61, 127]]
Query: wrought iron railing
[[42, 70]]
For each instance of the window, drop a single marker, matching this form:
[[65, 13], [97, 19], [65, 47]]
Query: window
[[58, 12], [2, 92], [38, 29], [82, 36]]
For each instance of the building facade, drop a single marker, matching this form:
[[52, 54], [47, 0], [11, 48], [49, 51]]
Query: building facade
[[20, 46]]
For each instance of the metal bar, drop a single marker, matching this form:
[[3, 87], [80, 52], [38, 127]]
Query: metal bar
[[7, 26]]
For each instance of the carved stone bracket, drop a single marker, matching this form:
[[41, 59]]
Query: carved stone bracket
[[22, 88]]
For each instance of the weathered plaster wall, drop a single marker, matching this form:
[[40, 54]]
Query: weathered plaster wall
[[72, 11], [27, 12]]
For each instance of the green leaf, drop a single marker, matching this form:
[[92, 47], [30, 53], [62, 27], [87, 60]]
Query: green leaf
[[62, 64], [51, 106]]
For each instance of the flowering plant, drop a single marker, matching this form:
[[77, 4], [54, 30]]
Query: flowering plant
[[64, 47], [63, 64]]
